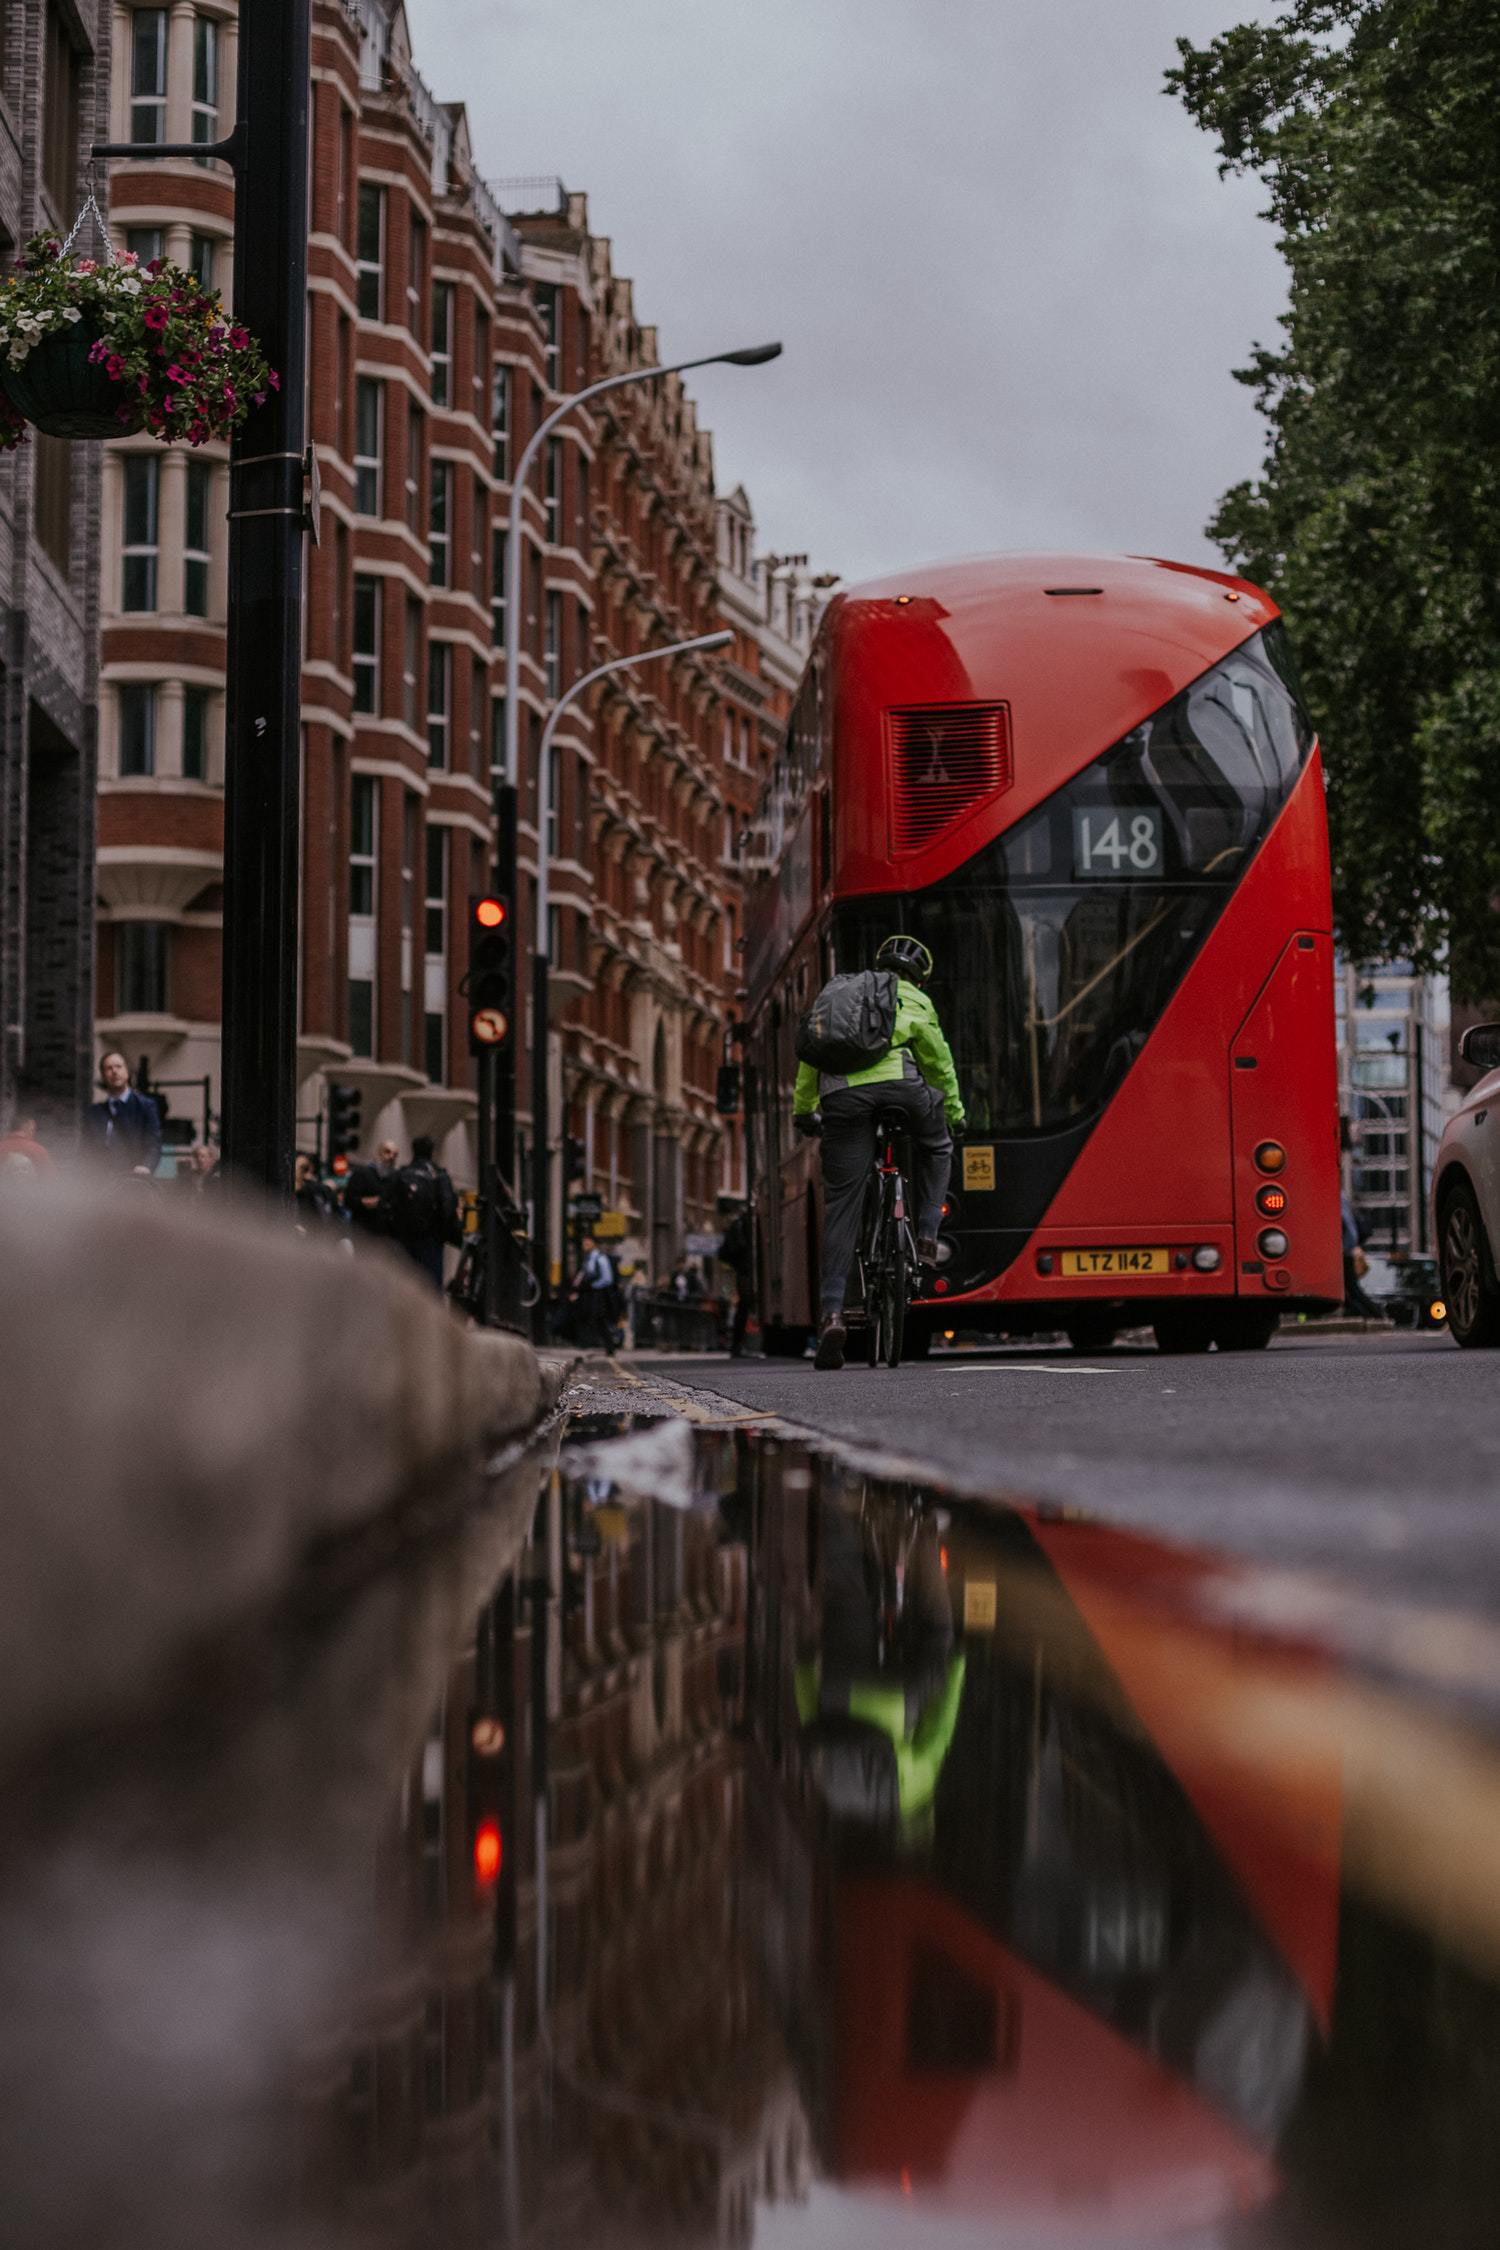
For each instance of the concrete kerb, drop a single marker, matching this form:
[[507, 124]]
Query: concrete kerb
[[192, 1397]]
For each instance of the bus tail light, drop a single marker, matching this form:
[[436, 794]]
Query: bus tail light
[[1270, 1202], [1270, 1156], [1271, 1242], [940, 1287], [1208, 1259], [1278, 1278]]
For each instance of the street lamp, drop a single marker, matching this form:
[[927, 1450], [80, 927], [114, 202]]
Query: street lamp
[[497, 1083], [541, 964]]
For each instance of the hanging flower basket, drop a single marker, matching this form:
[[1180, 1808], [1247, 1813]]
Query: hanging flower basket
[[92, 349]]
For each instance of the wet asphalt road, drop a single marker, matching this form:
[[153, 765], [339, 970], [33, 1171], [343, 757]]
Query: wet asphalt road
[[1377, 1457]]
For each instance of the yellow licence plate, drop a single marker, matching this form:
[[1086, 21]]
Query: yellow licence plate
[[1116, 1261]]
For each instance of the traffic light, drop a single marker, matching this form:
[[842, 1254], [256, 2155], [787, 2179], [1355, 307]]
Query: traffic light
[[490, 985], [344, 1106]]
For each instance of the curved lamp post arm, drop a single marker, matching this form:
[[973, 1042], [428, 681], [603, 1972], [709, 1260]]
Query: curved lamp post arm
[[544, 777], [754, 355]]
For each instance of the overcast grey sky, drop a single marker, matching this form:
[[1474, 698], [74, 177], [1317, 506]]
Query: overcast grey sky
[[1010, 282]]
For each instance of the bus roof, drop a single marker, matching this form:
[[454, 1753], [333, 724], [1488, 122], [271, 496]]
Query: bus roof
[[1079, 648]]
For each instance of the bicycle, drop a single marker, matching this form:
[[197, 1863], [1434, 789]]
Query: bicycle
[[887, 1253], [467, 1285]]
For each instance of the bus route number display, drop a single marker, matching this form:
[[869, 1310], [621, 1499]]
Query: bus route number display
[[1113, 845]]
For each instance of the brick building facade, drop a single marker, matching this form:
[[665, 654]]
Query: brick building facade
[[445, 321], [54, 81]]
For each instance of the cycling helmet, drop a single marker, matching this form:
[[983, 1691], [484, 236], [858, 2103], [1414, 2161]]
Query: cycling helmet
[[908, 956]]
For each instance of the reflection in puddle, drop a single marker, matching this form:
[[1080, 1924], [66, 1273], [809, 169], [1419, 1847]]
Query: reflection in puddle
[[799, 1858]]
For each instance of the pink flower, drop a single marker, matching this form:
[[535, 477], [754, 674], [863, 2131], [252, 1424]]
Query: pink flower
[[114, 366], [176, 374], [97, 351], [87, 265], [156, 265], [238, 338], [129, 258], [260, 398], [274, 380], [155, 316]]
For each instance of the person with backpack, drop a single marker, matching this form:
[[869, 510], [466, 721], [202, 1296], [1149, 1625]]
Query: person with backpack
[[871, 1044], [420, 1208]]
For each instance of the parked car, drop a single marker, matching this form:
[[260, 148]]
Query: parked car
[[1466, 1198]]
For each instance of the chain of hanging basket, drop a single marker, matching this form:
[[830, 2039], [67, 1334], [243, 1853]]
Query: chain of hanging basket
[[104, 347]]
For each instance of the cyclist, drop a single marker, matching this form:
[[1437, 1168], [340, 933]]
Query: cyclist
[[914, 1077]]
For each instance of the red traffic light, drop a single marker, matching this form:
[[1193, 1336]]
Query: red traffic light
[[488, 1851], [489, 913], [341, 1165]]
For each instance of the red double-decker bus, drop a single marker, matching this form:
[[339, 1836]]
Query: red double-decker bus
[[1091, 787]]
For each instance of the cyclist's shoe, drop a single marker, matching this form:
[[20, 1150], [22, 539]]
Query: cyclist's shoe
[[927, 1250], [831, 1342]]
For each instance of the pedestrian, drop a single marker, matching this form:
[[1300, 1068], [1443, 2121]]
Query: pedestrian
[[315, 1207], [594, 1295], [201, 1169], [364, 1191], [1356, 1266], [22, 1155], [420, 1206], [737, 1251], [125, 1127]]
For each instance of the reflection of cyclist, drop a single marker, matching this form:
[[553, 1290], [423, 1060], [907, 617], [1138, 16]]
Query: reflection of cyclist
[[915, 1078], [878, 1717]]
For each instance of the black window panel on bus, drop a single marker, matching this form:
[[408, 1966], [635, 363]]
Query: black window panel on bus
[[1058, 947]]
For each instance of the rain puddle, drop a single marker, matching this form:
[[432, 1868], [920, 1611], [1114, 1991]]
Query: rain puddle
[[710, 1844]]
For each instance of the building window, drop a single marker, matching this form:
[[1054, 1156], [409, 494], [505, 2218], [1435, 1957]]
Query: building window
[[53, 499], [479, 680], [144, 243], [148, 75], [581, 488], [552, 645], [346, 171], [554, 800], [366, 644], [368, 401], [546, 295], [416, 274], [476, 537], [481, 357], [410, 820], [339, 618], [205, 79], [439, 523], [137, 708], [142, 474], [203, 250], [442, 343], [195, 709], [411, 658], [370, 253], [200, 478], [141, 968], [362, 853], [497, 587], [416, 445], [553, 491], [439, 701], [500, 407], [435, 949]]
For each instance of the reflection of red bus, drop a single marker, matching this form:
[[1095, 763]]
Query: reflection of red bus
[[1091, 787]]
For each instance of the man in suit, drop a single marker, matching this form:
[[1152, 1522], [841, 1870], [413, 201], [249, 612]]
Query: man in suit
[[125, 1128], [364, 1191]]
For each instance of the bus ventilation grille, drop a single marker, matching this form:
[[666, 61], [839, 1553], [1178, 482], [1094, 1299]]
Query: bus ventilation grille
[[946, 759]]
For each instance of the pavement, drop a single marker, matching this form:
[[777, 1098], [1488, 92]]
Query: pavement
[[1372, 1457]]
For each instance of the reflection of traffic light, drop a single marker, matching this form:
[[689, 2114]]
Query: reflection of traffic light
[[344, 1106], [490, 983], [490, 1810]]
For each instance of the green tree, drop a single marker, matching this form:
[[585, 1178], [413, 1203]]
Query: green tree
[[1376, 517]]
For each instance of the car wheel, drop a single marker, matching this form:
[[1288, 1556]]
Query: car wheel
[[1178, 1332], [1473, 1306], [1245, 1328]]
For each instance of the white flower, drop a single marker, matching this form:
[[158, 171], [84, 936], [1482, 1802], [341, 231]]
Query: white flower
[[130, 287], [71, 313]]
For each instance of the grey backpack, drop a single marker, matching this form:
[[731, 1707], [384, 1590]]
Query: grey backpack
[[851, 1023]]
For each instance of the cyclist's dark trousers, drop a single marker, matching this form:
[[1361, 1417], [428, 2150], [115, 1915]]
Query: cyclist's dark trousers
[[848, 1154]]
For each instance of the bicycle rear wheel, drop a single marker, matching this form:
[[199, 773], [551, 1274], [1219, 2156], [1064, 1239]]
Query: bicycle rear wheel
[[897, 1288]]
